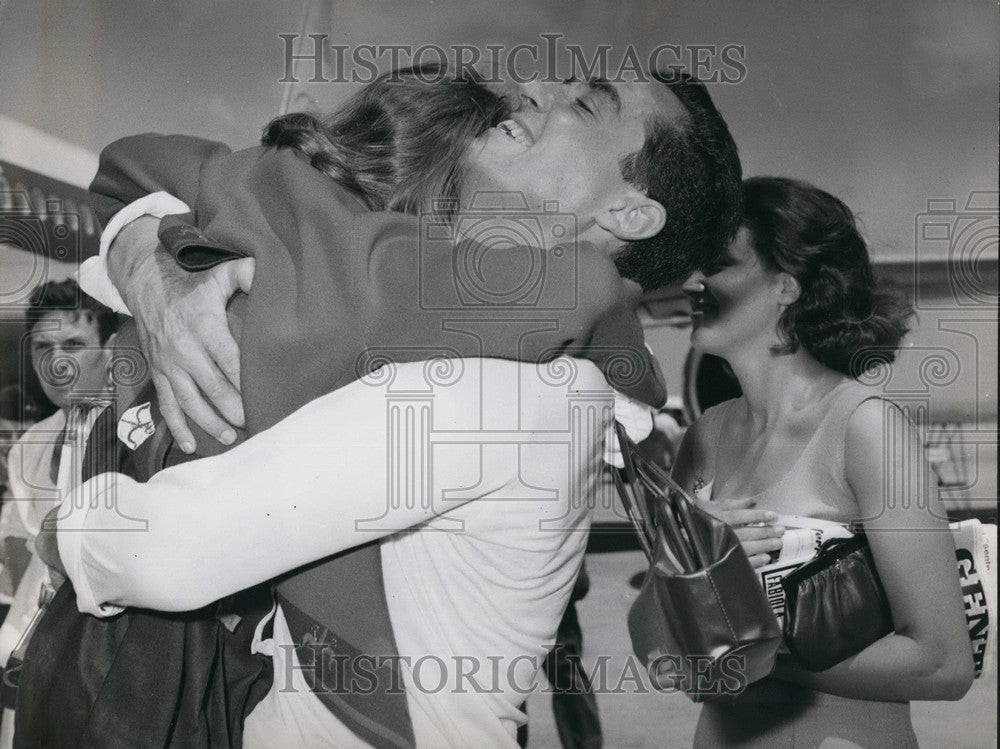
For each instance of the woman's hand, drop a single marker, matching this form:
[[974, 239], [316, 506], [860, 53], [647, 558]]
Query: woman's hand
[[181, 320], [755, 528]]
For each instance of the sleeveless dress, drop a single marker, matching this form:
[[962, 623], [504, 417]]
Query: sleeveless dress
[[780, 715]]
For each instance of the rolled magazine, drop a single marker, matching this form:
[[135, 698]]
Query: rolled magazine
[[975, 555], [801, 542]]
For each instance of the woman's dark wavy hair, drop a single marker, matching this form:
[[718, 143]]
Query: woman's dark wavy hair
[[843, 317], [398, 144]]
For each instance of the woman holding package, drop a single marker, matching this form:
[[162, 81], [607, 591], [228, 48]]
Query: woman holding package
[[795, 310]]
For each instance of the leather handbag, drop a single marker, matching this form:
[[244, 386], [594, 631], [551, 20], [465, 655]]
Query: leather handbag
[[701, 622], [835, 605]]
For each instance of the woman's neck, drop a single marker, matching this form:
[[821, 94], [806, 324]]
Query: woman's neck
[[778, 385]]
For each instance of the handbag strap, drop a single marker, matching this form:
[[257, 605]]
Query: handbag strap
[[675, 520], [630, 503], [633, 459]]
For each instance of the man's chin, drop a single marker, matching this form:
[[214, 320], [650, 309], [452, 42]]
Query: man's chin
[[651, 271]]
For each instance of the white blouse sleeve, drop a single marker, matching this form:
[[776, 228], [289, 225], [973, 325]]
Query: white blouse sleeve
[[309, 487]]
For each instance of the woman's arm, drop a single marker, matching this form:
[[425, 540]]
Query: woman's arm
[[318, 482], [928, 657]]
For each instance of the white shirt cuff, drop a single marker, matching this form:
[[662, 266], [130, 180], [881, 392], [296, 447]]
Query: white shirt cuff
[[636, 417], [73, 517], [93, 274]]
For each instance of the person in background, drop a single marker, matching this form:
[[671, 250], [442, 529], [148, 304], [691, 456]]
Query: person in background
[[71, 339], [13, 559], [574, 703], [795, 310], [616, 120]]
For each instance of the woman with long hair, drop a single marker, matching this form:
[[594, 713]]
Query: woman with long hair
[[360, 202], [795, 310], [347, 283]]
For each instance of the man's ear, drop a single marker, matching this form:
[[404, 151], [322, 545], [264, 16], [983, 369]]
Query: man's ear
[[633, 217], [790, 289]]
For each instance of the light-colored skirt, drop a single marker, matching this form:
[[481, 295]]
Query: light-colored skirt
[[778, 715]]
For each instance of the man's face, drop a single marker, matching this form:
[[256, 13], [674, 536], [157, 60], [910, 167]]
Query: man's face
[[565, 143], [69, 359]]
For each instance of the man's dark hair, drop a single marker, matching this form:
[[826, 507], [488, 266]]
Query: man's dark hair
[[691, 166], [66, 296]]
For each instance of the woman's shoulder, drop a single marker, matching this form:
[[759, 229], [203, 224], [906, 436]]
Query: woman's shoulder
[[696, 456], [856, 401], [286, 182], [708, 427], [857, 422], [871, 420]]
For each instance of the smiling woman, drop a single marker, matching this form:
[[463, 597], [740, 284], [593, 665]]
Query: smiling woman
[[794, 309], [727, 311]]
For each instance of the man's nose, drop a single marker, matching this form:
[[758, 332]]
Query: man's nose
[[694, 284], [543, 95]]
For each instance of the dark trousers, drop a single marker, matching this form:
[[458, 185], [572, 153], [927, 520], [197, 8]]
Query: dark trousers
[[573, 702]]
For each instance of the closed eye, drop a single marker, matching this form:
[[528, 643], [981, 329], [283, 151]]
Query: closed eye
[[602, 88], [720, 263], [582, 104]]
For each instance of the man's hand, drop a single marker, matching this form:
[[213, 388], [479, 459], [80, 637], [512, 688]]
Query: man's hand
[[755, 529], [182, 325]]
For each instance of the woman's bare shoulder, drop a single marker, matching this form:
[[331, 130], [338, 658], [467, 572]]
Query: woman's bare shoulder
[[702, 437]]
